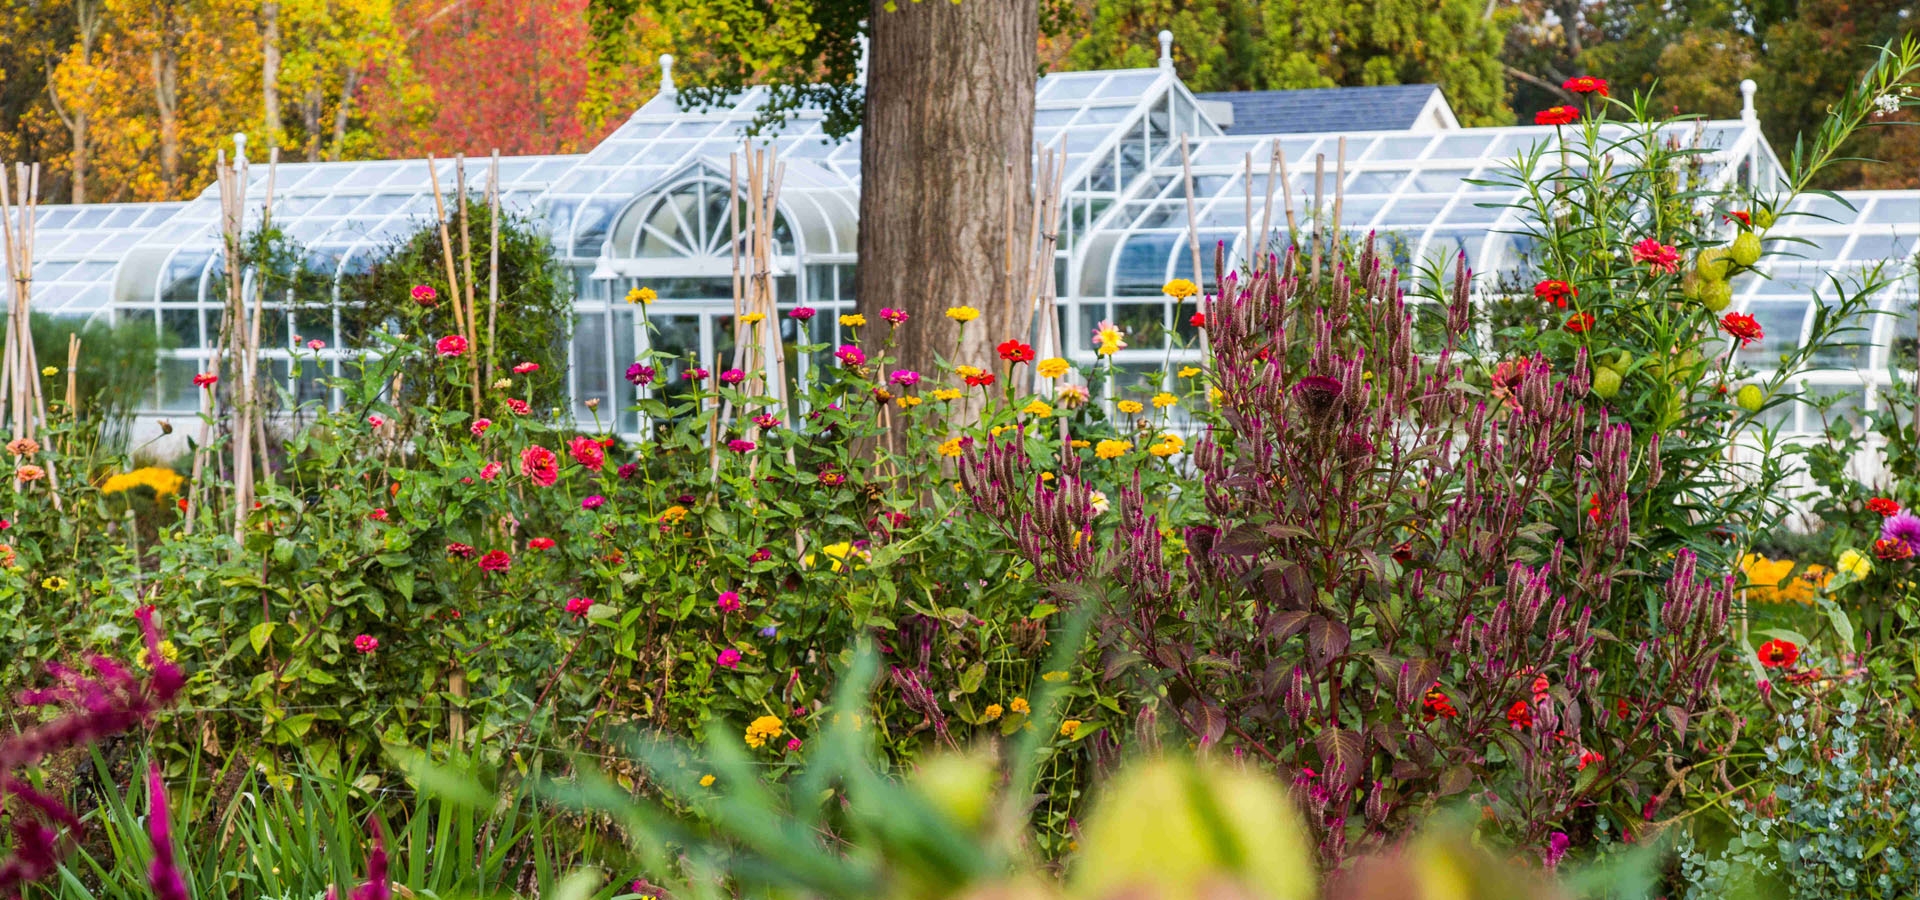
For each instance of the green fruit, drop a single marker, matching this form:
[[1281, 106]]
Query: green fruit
[[1712, 264], [1717, 295], [1606, 384], [1690, 285], [1619, 362], [1763, 218], [1172, 829], [1746, 248], [1750, 398]]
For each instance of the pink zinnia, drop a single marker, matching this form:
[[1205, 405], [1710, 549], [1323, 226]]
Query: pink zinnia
[[728, 601], [765, 420], [451, 345], [739, 445], [526, 367], [378, 515], [366, 643], [316, 344], [480, 426], [894, 316], [518, 406], [424, 294], [496, 561], [793, 745], [540, 544], [587, 452], [490, 471], [905, 377], [1660, 256], [732, 376], [579, 606], [376, 421], [540, 464], [594, 501], [803, 313], [461, 550], [727, 659], [851, 355]]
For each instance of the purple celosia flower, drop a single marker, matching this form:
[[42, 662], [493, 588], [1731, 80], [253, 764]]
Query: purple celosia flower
[[905, 377], [640, 374], [1557, 845], [164, 876], [379, 886], [728, 602], [851, 355], [732, 376], [594, 501], [728, 658], [1904, 527]]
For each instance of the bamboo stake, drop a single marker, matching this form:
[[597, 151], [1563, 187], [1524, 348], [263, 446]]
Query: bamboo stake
[[493, 260], [453, 280], [1339, 197], [1193, 220], [1319, 189], [1266, 213], [253, 351], [1247, 252], [466, 258], [1286, 190]]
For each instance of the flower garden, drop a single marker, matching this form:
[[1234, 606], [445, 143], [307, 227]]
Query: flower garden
[[1400, 588]]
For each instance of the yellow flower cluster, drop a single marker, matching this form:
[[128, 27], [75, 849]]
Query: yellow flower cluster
[[163, 481], [753, 318], [1069, 728], [641, 295], [1168, 444], [673, 514], [1110, 449], [1163, 400], [1020, 706], [1130, 407], [908, 402], [1038, 409], [992, 712], [1052, 367], [946, 394], [762, 730], [168, 652], [1189, 371], [950, 447], [845, 552], [853, 320], [1772, 581], [968, 371], [962, 313]]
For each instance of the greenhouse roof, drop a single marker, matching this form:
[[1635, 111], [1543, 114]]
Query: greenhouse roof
[[1397, 107]]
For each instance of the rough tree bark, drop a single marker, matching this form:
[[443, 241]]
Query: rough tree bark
[[164, 55], [78, 116], [949, 104], [270, 71]]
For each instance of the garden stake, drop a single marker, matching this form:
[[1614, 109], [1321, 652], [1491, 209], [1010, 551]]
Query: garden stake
[[1266, 211], [1339, 196], [1319, 195], [493, 261], [466, 261], [1286, 190], [453, 281], [21, 370]]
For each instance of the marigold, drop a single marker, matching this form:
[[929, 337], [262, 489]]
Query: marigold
[[962, 313], [1110, 449], [1052, 367], [642, 295], [852, 320], [1180, 289], [1189, 371], [763, 730], [991, 713], [1069, 728], [1019, 705]]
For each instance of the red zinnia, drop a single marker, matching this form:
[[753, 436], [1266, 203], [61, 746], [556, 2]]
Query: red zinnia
[[1742, 328], [1437, 705], [451, 345], [981, 380], [1555, 291], [1198, 320], [518, 406], [205, 379], [1658, 256], [1579, 322], [540, 464], [1586, 84], [1883, 506], [461, 550], [1593, 508], [587, 452], [1742, 216], [1016, 352], [1778, 654], [1556, 115], [540, 544], [1892, 548], [496, 561], [1520, 715]]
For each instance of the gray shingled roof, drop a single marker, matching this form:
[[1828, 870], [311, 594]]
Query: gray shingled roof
[[1381, 108]]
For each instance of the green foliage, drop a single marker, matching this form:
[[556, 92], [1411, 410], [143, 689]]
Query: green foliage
[[113, 380]]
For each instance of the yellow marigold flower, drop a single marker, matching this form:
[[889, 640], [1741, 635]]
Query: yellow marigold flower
[[1046, 476], [762, 730], [673, 514], [1853, 562], [54, 583], [168, 652], [1069, 728], [843, 552], [50, 371], [1189, 371], [752, 319], [967, 371], [1180, 289], [992, 712], [1163, 400], [950, 447], [997, 430], [947, 394], [1052, 367], [1020, 706], [1163, 450], [1037, 408], [1130, 407], [853, 320], [642, 295], [962, 313], [1110, 449], [706, 781], [908, 402], [161, 480], [1080, 445]]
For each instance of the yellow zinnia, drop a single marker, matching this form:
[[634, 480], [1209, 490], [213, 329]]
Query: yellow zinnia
[[962, 313], [1163, 400], [947, 394], [1854, 563], [1180, 289], [1038, 409], [950, 447], [1110, 449], [1130, 407], [1052, 367], [762, 730], [753, 319], [642, 295], [908, 402], [1189, 371], [967, 371], [853, 320]]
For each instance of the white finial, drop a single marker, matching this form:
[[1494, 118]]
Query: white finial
[[239, 148], [1166, 49], [860, 73], [1747, 113], [666, 73]]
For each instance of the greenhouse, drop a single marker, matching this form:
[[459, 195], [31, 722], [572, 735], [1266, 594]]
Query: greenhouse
[[647, 207]]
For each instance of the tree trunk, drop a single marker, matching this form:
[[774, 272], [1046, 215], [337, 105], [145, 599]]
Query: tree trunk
[[310, 115], [166, 98], [270, 70], [340, 115], [949, 105]]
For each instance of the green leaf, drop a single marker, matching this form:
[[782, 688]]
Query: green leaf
[[973, 677], [259, 635], [1042, 610]]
